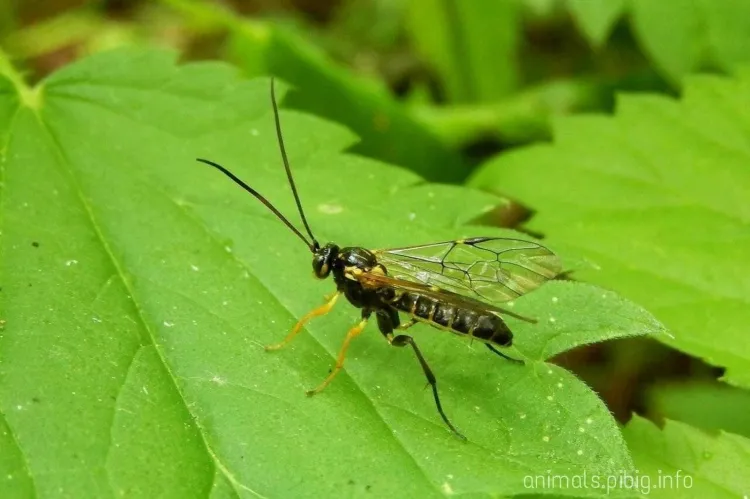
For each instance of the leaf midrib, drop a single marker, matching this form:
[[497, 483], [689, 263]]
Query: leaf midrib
[[151, 337], [151, 340]]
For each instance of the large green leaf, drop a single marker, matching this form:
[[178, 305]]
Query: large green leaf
[[682, 461], [657, 196], [138, 287], [679, 36], [684, 35]]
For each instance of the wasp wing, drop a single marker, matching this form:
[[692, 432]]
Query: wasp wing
[[370, 280], [490, 269]]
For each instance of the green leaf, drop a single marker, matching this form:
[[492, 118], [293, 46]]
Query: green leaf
[[139, 286], [709, 406], [596, 18], [681, 461], [685, 35], [657, 197], [472, 44], [325, 89]]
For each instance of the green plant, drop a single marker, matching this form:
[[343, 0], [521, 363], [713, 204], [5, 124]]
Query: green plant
[[139, 286]]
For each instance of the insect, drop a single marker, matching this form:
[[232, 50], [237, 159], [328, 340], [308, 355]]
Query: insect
[[452, 285]]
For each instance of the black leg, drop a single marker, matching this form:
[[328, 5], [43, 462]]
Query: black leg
[[501, 354], [390, 320], [402, 340], [387, 320]]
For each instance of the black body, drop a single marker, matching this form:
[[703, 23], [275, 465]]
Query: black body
[[387, 301]]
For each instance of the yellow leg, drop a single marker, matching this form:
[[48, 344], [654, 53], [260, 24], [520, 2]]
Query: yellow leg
[[322, 310], [407, 324], [342, 354]]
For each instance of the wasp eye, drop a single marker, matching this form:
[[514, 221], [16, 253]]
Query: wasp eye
[[321, 268]]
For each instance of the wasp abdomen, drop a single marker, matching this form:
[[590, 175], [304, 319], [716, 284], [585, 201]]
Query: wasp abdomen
[[484, 326]]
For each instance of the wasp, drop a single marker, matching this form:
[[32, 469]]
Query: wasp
[[453, 285]]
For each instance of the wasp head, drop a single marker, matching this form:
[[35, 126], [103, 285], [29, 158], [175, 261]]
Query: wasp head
[[323, 260]]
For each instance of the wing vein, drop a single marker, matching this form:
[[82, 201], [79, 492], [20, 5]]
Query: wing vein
[[462, 267]]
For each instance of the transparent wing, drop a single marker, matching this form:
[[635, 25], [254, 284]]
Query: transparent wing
[[491, 269], [375, 281]]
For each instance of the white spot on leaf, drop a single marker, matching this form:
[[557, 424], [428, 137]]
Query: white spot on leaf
[[330, 208]]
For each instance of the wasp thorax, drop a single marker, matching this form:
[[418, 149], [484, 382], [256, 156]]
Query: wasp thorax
[[357, 257], [323, 260]]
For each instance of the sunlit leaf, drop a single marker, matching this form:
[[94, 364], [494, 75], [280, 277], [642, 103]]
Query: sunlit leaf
[[139, 286], [682, 461], [682, 36], [657, 197]]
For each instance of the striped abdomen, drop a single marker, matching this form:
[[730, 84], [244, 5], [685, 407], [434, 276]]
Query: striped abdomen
[[444, 314]]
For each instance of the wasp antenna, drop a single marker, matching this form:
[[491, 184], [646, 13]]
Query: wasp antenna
[[263, 200], [286, 165]]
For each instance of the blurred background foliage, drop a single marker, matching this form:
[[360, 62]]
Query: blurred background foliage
[[439, 86]]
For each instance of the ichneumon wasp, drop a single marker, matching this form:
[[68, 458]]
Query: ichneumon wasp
[[450, 285]]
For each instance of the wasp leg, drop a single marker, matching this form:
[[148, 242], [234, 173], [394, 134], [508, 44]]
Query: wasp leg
[[402, 340], [407, 324], [322, 310], [342, 353], [501, 354], [388, 320]]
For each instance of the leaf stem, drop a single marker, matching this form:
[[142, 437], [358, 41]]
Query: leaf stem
[[523, 117], [29, 96]]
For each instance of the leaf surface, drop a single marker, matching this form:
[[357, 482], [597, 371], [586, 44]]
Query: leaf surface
[[139, 286], [657, 197], [683, 36], [596, 19], [682, 461]]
